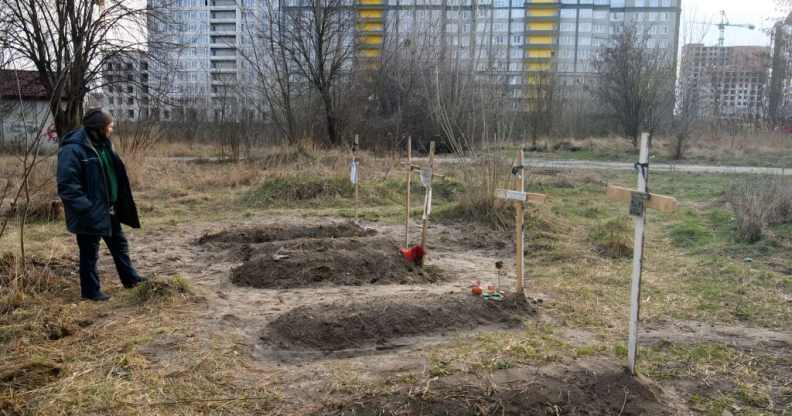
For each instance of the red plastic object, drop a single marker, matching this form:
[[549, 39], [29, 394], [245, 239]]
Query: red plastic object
[[476, 290], [413, 254]]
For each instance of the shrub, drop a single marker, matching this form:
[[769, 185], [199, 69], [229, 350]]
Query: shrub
[[759, 204], [612, 238]]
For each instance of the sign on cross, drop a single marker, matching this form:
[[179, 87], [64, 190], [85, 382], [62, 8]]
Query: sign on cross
[[639, 200], [427, 173], [520, 198], [354, 172]]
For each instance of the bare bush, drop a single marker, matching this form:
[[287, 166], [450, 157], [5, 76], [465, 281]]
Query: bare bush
[[759, 204]]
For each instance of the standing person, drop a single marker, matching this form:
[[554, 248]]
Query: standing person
[[97, 199]]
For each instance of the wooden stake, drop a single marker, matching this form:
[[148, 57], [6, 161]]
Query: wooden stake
[[519, 229], [409, 191], [635, 289], [357, 173], [425, 223]]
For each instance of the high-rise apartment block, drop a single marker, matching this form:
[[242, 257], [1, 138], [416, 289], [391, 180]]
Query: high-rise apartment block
[[202, 75], [517, 37], [726, 82], [126, 86]]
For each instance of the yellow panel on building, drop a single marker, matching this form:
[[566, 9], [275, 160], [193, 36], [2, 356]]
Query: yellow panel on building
[[543, 12], [369, 53], [538, 67], [371, 40], [540, 40], [370, 26], [371, 2], [541, 26], [540, 53], [371, 14]]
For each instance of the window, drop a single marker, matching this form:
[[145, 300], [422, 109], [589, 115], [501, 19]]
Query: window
[[568, 13], [131, 113], [130, 89]]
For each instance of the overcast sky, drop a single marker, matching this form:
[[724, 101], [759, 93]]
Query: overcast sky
[[761, 13]]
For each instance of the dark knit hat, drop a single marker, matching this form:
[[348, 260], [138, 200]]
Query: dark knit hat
[[96, 119]]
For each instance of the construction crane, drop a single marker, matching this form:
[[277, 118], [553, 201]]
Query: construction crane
[[724, 23]]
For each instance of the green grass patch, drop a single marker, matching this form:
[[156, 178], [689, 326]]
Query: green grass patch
[[339, 192], [691, 231]]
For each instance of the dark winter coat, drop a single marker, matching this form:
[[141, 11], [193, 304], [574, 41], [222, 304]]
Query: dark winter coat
[[82, 185]]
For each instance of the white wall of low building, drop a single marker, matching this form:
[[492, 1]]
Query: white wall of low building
[[25, 121]]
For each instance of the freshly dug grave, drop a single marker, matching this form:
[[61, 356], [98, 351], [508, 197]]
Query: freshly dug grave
[[377, 321], [520, 392], [279, 232], [341, 261]]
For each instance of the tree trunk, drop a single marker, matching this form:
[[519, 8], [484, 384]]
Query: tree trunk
[[332, 122]]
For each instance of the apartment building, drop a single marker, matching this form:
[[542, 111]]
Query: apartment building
[[728, 82], [518, 37], [125, 86], [198, 64]]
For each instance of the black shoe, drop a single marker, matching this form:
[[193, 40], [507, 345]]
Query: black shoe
[[137, 282], [99, 297]]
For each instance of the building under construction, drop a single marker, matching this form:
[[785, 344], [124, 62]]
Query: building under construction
[[725, 82]]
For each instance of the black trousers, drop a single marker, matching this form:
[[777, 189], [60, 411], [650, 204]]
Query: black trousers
[[89, 256]]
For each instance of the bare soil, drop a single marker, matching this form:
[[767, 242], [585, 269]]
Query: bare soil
[[285, 232], [341, 261], [378, 321], [594, 389]]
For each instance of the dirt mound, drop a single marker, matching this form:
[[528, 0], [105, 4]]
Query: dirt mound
[[376, 321], [339, 261], [523, 392], [278, 232]]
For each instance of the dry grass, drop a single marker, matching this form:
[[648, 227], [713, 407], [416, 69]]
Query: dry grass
[[143, 354], [759, 203]]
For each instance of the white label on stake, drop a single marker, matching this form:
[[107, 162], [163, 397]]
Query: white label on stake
[[427, 204], [426, 177], [353, 172], [515, 196]]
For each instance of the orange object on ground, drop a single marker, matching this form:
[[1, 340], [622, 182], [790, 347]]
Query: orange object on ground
[[414, 254], [476, 290]]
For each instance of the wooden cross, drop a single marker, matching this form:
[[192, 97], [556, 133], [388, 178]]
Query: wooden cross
[[410, 168], [355, 173], [427, 209], [639, 200], [520, 198]]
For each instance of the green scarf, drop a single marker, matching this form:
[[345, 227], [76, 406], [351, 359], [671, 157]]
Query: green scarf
[[106, 159]]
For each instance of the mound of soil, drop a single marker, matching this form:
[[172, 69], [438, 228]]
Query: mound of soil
[[523, 392], [374, 322], [278, 232], [340, 261]]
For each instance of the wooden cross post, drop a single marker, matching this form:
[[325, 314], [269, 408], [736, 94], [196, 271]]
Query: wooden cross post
[[355, 173], [639, 200], [426, 179], [409, 190], [520, 198]]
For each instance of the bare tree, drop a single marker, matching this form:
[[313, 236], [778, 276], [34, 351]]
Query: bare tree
[[68, 42], [540, 95], [273, 67], [317, 37], [635, 82]]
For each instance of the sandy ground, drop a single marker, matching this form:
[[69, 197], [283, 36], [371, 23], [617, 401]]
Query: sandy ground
[[244, 313]]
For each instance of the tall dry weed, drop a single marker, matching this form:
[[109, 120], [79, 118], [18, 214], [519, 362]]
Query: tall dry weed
[[758, 203]]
